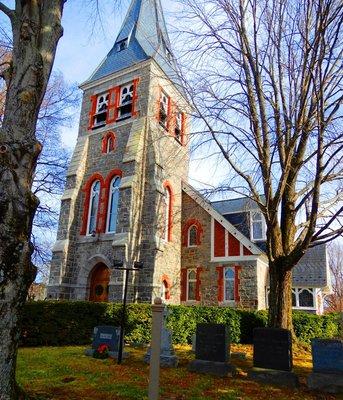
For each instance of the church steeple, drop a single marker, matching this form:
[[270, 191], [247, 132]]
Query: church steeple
[[143, 35]]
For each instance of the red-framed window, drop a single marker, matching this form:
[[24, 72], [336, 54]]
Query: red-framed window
[[165, 287], [92, 205], [109, 143], [192, 232], [98, 195], [117, 103], [168, 211], [191, 284], [171, 117], [228, 283]]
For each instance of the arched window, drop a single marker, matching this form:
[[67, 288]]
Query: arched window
[[229, 284], [93, 207], [192, 236], [167, 212], [113, 200], [126, 97], [191, 284]]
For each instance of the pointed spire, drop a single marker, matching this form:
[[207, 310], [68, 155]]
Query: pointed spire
[[143, 35]]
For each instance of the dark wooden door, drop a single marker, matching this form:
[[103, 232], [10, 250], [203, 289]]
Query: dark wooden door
[[100, 278]]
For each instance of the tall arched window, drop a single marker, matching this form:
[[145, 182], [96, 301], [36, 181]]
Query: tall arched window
[[192, 236], [93, 207], [113, 200], [168, 212]]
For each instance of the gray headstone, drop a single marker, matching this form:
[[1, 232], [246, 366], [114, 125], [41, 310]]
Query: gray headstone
[[167, 355], [273, 349]]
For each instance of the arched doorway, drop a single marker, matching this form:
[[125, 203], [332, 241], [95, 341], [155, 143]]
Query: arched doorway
[[99, 280]]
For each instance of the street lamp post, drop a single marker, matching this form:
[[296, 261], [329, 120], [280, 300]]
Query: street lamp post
[[119, 265]]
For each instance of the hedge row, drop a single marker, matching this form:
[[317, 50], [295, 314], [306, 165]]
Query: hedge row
[[53, 323]]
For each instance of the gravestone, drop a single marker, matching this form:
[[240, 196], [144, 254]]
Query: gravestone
[[327, 357], [273, 362], [167, 354], [108, 335], [212, 354]]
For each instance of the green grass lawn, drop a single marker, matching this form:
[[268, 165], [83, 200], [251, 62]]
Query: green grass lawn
[[65, 373]]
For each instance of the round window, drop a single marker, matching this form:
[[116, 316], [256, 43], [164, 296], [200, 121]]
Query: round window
[[99, 290]]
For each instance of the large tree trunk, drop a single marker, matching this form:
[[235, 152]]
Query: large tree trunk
[[280, 296], [36, 30]]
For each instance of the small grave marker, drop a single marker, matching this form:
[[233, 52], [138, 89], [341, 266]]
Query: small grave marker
[[327, 356], [212, 353], [108, 335]]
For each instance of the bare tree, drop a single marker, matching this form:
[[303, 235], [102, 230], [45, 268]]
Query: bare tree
[[266, 83], [36, 30], [334, 302]]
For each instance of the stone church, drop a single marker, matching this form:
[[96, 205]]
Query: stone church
[[127, 197]]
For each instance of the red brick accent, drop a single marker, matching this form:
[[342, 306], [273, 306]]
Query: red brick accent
[[198, 284], [220, 283], [104, 199], [237, 282], [92, 111], [113, 103], [167, 283], [183, 280], [183, 129], [187, 225], [168, 187], [87, 190], [219, 240], [234, 246], [134, 98], [246, 252], [105, 141]]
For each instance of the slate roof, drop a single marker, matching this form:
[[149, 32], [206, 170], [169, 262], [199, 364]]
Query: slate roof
[[145, 29], [234, 205]]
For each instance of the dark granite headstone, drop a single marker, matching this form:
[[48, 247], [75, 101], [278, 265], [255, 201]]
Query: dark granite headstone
[[106, 335], [212, 351], [212, 343], [273, 349], [327, 355]]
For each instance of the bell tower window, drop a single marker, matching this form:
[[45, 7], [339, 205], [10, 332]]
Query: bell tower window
[[101, 110], [125, 105], [163, 110], [178, 126]]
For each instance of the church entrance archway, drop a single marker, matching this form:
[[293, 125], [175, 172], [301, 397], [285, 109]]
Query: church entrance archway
[[99, 280]]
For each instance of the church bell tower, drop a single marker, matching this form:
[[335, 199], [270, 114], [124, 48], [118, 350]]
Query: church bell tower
[[122, 199]]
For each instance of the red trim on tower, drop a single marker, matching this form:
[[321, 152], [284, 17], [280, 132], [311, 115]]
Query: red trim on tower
[[167, 185], [165, 278], [234, 245], [105, 140], [219, 240], [186, 227], [113, 102], [183, 280], [198, 284], [183, 128], [92, 111], [220, 283], [134, 112], [86, 189], [170, 116], [237, 282]]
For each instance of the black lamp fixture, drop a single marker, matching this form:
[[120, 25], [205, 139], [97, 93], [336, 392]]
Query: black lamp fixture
[[119, 265]]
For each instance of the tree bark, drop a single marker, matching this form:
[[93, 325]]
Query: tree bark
[[36, 30], [280, 296]]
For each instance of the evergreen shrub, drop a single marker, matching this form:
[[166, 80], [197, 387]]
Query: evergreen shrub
[[57, 323]]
